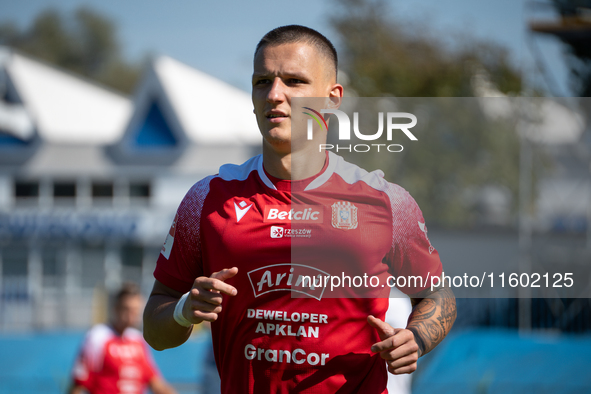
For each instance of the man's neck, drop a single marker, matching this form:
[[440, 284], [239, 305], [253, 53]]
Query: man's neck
[[118, 328], [294, 165]]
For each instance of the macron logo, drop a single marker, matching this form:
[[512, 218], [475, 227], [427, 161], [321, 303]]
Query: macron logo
[[241, 210]]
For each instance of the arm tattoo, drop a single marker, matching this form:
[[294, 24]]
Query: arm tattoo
[[432, 317]]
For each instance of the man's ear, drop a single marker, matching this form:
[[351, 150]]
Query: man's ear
[[335, 97]]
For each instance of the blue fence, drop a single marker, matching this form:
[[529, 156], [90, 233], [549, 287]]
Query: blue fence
[[505, 362], [40, 363], [567, 315]]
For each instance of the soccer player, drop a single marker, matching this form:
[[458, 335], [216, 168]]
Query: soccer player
[[235, 256], [115, 358]]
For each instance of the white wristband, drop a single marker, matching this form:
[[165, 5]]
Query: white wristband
[[178, 312]]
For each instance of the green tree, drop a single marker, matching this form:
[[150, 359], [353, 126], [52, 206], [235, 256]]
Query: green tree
[[458, 152], [85, 43], [384, 55]]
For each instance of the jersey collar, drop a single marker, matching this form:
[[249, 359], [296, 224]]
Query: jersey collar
[[310, 183]]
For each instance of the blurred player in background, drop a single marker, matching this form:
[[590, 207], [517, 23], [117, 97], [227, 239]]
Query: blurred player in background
[[114, 358], [226, 260]]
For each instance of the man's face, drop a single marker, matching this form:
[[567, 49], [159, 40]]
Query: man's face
[[280, 73], [128, 311]]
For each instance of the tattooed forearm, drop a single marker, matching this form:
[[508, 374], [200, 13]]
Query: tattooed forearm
[[432, 317]]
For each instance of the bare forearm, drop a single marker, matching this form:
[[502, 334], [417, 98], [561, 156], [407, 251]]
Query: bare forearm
[[432, 318], [202, 303], [161, 331]]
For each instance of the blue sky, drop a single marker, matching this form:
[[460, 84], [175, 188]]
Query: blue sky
[[219, 37]]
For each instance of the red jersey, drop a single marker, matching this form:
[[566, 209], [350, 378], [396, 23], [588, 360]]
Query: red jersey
[[110, 363], [285, 331]]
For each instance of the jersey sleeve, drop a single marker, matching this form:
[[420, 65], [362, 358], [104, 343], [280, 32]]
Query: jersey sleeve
[[150, 369], [89, 361], [180, 262], [412, 254], [82, 373]]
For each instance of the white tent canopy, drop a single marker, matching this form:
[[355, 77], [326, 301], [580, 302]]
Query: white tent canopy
[[66, 108], [208, 110]]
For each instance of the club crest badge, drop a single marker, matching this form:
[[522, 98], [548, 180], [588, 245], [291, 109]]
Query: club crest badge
[[344, 215]]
